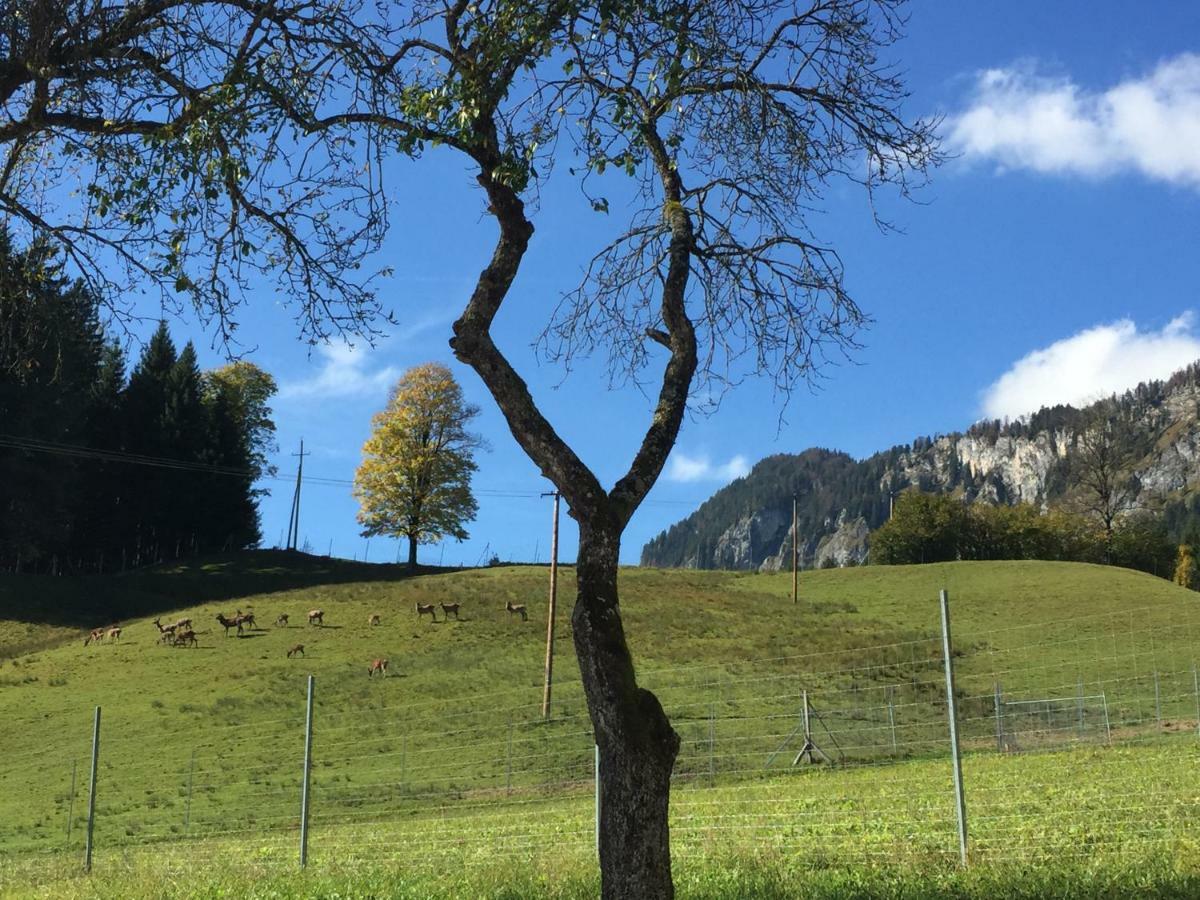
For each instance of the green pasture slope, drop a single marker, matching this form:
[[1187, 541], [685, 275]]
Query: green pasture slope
[[442, 780]]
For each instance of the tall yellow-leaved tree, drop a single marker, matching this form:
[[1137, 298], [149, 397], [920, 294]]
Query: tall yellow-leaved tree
[[415, 477]]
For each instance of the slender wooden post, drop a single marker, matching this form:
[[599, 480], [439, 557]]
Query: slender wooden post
[[960, 800], [553, 605], [87, 863], [308, 722], [795, 556]]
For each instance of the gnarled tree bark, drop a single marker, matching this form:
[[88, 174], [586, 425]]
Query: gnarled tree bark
[[637, 744]]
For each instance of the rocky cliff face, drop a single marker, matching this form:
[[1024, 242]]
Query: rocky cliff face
[[748, 524]]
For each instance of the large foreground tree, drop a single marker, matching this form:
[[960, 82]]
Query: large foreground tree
[[246, 134], [730, 118]]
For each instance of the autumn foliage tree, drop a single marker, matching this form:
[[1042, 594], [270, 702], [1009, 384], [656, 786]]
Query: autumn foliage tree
[[415, 478]]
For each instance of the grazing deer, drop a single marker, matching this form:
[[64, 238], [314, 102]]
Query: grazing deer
[[184, 638], [316, 617], [448, 608], [246, 619], [96, 634], [426, 608], [113, 633], [374, 619], [378, 665], [235, 622], [183, 623], [298, 649], [282, 619], [517, 609]]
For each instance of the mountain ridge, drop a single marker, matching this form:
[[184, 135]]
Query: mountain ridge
[[747, 523]]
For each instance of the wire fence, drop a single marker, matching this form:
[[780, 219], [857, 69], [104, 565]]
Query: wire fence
[[1078, 736]]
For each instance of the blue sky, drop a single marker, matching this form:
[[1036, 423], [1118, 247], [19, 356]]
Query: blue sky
[[1052, 260]]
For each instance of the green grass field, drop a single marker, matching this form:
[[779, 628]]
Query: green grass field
[[442, 780]]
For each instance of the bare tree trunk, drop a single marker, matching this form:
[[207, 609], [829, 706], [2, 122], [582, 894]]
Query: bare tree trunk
[[412, 553], [637, 744]]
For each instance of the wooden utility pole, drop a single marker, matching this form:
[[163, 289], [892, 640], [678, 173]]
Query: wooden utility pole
[[294, 520], [795, 555], [553, 604]]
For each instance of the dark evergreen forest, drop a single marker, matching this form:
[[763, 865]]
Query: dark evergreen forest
[[104, 469]]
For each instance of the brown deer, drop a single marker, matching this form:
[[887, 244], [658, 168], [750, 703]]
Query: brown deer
[[374, 619], [183, 623], [113, 633], [166, 633], [316, 617], [298, 649], [426, 609], [517, 609], [95, 635], [378, 665], [247, 619], [282, 620], [235, 622], [448, 608], [184, 638]]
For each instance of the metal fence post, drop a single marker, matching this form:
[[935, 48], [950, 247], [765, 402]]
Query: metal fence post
[[891, 701], [508, 759], [953, 716], [1079, 706], [1196, 691], [1107, 725], [71, 801], [87, 863], [1157, 702], [187, 809], [712, 743], [999, 701], [308, 722], [596, 748], [404, 764]]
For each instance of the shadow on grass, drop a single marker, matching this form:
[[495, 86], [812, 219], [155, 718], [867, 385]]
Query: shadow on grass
[[81, 601]]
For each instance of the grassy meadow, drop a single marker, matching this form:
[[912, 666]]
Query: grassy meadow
[[443, 779]]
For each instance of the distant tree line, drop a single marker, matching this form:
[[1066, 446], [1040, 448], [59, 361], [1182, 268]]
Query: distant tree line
[[101, 471], [940, 527]]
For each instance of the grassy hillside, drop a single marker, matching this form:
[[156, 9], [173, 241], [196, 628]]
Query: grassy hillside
[[455, 732]]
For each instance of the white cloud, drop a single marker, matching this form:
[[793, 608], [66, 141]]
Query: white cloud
[[1092, 364], [344, 372], [1151, 125], [701, 468]]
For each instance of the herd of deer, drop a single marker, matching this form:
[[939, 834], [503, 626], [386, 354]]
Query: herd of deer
[[180, 634]]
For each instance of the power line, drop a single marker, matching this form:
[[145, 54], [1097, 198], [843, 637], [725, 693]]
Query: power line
[[79, 451]]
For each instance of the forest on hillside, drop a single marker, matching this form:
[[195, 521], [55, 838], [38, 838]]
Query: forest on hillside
[[104, 468]]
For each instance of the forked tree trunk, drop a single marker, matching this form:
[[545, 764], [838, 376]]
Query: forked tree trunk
[[637, 744]]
